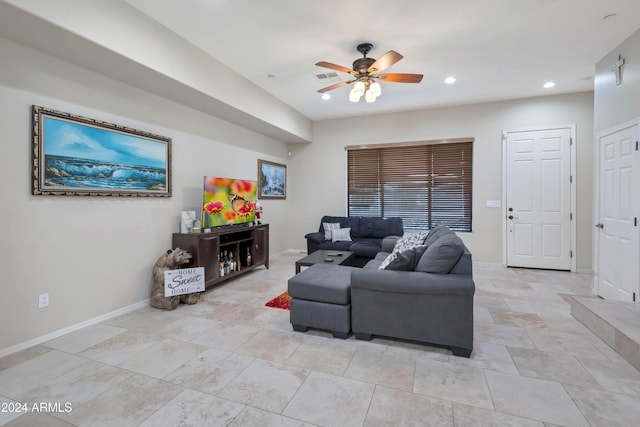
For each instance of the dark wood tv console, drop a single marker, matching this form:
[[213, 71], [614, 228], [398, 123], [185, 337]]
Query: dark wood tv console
[[207, 248]]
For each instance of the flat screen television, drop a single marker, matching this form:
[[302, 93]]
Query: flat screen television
[[228, 201]]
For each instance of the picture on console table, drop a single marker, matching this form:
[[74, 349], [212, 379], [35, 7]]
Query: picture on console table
[[227, 201], [272, 180], [79, 156]]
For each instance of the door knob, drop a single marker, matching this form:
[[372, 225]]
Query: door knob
[[512, 217], [510, 209], [601, 225]]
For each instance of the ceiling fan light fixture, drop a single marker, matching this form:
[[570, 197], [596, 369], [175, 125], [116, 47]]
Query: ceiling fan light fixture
[[370, 96], [375, 89], [365, 71], [359, 88], [354, 96]]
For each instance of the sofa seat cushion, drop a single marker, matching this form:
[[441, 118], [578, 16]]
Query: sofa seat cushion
[[322, 283], [441, 255], [374, 264], [368, 248], [335, 246]]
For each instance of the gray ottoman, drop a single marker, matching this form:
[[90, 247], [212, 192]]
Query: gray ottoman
[[321, 299]]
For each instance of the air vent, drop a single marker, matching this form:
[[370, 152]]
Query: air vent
[[330, 77]]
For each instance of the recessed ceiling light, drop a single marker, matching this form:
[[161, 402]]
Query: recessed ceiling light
[[450, 80], [549, 85], [326, 96]]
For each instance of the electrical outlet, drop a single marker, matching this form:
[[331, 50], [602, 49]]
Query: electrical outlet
[[43, 300]]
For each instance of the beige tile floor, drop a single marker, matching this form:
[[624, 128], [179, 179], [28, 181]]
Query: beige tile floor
[[231, 361]]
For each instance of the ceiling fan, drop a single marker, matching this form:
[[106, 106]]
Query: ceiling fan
[[366, 72]]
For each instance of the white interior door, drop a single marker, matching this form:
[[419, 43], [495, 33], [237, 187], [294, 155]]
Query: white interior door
[[618, 215], [538, 198]]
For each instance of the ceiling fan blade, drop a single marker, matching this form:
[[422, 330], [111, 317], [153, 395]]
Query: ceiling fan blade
[[401, 78], [335, 86], [385, 61], [334, 67]]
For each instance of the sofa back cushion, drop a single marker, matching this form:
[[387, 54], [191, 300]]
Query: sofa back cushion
[[379, 227], [351, 222], [464, 265], [435, 233], [441, 255]]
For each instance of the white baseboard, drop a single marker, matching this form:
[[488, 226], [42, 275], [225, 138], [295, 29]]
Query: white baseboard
[[72, 328]]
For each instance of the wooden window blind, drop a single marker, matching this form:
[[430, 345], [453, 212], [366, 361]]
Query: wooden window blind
[[426, 184]]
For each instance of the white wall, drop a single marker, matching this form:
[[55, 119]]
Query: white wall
[[95, 255], [614, 104], [319, 169]]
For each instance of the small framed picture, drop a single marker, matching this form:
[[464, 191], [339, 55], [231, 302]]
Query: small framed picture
[[272, 180]]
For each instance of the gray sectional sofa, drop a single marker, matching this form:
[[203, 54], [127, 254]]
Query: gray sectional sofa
[[420, 288], [429, 299], [364, 236]]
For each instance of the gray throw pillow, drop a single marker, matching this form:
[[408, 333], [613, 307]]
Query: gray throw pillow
[[407, 260], [341, 235], [328, 227], [442, 255], [408, 241]]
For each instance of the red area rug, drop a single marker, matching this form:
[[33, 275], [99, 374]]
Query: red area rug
[[281, 301]]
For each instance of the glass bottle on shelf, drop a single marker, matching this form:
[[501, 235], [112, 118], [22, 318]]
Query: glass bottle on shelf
[[248, 257], [226, 263], [232, 263], [220, 266]]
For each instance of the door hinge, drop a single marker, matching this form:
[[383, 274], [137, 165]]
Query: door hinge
[[570, 254], [634, 297], [570, 141], [570, 216], [636, 145], [635, 221], [570, 179]]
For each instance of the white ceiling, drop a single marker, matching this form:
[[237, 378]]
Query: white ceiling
[[497, 49]]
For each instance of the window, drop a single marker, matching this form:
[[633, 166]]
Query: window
[[426, 184]]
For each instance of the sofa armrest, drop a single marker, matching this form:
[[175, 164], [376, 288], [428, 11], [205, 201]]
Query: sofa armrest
[[388, 243], [412, 282], [317, 237]]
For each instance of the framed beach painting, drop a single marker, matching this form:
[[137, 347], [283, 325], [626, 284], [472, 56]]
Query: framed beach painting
[[272, 180], [79, 156]]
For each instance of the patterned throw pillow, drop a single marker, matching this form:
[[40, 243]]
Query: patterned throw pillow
[[408, 241], [328, 227], [341, 235]]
